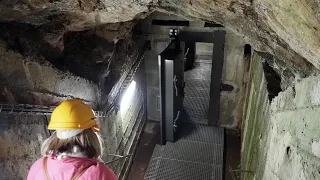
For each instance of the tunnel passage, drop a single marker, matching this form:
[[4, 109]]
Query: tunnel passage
[[38, 67]]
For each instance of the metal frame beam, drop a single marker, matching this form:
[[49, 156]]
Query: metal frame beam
[[216, 75]]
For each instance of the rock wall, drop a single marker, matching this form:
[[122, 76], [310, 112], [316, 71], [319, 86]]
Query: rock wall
[[281, 140], [286, 31], [293, 149], [20, 141], [273, 27], [25, 79]]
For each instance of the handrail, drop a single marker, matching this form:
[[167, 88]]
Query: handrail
[[29, 109]]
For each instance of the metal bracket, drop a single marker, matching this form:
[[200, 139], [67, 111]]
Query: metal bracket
[[175, 84], [158, 103], [185, 55], [119, 158], [175, 121]]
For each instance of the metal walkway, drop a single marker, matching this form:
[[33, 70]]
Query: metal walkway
[[197, 155]]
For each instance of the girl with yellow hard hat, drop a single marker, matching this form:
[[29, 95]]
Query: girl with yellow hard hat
[[73, 151]]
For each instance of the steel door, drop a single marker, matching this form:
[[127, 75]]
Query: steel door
[[171, 75]]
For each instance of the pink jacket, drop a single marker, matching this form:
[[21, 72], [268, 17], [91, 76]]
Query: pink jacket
[[66, 168]]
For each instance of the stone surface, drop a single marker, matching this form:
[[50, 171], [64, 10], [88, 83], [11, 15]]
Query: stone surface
[[89, 54], [287, 29], [25, 78], [281, 140], [261, 24], [294, 133], [72, 14], [20, 139]]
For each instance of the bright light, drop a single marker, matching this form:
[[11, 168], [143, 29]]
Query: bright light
[[127, 97]]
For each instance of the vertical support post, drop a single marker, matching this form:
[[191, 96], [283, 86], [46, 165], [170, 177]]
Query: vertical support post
[[216, 74], [162, 100]]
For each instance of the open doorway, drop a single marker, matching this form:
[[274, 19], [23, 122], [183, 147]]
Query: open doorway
[[198, 79]]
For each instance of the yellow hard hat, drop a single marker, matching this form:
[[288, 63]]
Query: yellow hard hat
[[73, 115]]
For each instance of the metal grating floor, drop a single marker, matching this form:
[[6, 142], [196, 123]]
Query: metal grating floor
[[189, 151], [197, 155], [167, 169], [197, 96], [202, 133]]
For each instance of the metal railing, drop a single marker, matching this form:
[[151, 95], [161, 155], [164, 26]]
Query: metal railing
[[28, 109], [238, 170]]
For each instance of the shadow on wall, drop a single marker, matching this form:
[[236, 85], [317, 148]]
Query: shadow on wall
[[273, 80]]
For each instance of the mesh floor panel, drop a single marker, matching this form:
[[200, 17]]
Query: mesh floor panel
[[197, 93], [197, 97], [190, 150], [167, 169], [197, 113], [202, 133], [196, 103], [192, 84], [197, 155], [203, 121]]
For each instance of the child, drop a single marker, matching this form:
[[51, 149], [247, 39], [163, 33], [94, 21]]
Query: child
[[73, 151]]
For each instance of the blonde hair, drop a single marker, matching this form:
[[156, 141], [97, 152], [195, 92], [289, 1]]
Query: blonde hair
[[88, 141]]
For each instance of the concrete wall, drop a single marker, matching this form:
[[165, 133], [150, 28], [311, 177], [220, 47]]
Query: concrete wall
[[281, 140], [255, 126], [232, 74], [294, 149]]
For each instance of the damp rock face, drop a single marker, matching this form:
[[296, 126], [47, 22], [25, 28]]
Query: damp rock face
[[283, 29], [73, 14], [287, 30]]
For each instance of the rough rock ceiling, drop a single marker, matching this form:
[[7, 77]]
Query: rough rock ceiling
[[287, 29]]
